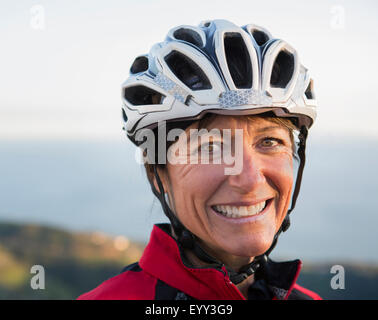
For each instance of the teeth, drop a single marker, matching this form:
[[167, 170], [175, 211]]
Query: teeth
[[244, 211]]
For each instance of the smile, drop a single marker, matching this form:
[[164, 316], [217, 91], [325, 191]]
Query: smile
[[240, 211]]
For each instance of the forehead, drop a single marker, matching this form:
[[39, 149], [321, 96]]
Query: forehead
[[251, 124]]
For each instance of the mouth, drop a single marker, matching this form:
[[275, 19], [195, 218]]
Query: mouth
[[235, 212]]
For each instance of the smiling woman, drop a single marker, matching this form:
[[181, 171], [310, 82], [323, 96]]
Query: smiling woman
[[235, 217], [242, 95]]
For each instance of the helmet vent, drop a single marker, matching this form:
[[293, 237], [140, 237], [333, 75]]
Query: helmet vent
[[124, 116], [260, 37], [188, 35], [187, 71], [238, 60], [140, 64], [283, 70], [309, 91], [141, 95]]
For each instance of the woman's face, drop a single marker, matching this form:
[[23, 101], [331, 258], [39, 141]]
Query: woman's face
[[235, 214]]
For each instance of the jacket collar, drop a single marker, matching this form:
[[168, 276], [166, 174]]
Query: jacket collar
[[162, 259]]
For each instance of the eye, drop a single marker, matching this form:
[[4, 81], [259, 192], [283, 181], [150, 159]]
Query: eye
[[270, 142], [211, 147]]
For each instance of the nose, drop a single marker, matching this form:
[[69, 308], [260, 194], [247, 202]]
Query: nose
[[251, 176]]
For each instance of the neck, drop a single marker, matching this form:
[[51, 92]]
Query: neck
[[231, 262]]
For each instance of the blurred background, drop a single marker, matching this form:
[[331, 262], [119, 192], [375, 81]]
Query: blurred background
[[72, 196]]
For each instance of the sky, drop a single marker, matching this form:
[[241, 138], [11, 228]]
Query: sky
[[62, 62]]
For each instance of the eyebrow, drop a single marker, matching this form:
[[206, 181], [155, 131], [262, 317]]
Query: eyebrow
[[261, 130], [269, 128]]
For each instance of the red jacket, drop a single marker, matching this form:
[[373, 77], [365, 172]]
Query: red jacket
[[164, 274]]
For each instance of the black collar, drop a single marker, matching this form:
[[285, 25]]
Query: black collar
[[274, 279]]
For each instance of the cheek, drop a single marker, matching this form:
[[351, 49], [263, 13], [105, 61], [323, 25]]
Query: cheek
[[193, 185], [282, 177], [286, 175], [281, 174]]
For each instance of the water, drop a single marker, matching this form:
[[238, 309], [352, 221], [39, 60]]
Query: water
[[99, 186]]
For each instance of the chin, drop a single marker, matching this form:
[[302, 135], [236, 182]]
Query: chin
[[249, 247]]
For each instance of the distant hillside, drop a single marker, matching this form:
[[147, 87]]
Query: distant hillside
[[75, 263], [361, 280]]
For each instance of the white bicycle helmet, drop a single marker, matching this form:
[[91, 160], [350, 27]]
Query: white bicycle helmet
[[218, 68]]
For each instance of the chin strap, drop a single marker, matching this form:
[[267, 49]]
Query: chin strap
[[188, 240]]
